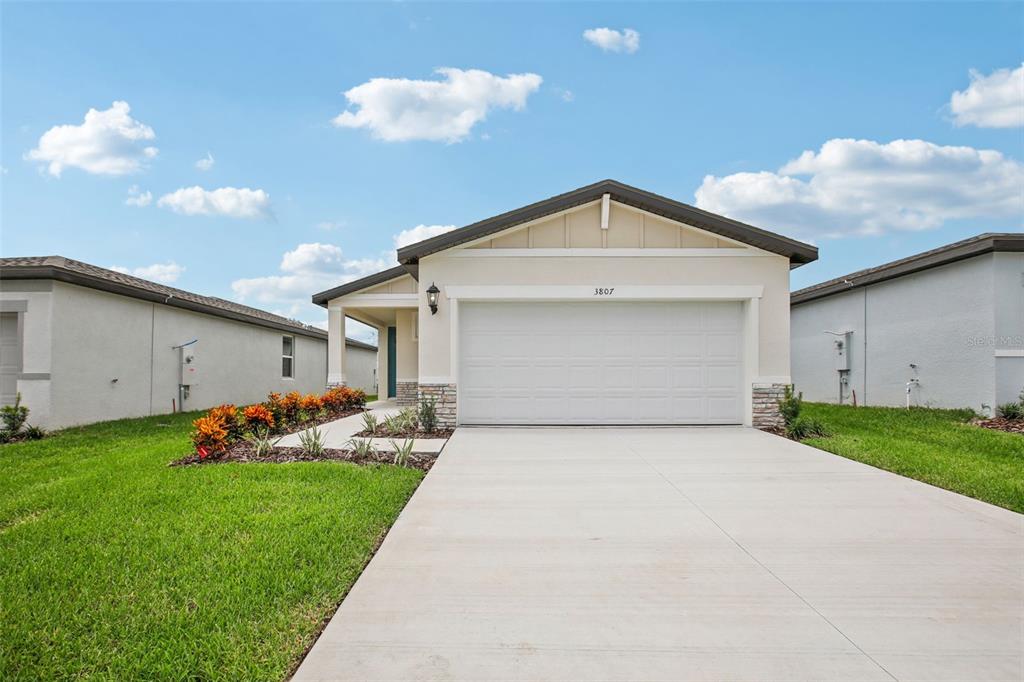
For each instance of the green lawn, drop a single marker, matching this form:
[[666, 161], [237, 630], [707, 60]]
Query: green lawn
[[115, 566], [934, 446]]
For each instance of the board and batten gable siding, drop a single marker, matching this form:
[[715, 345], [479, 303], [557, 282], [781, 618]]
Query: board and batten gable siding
[[939, 319], [627, 228], [98, 337]]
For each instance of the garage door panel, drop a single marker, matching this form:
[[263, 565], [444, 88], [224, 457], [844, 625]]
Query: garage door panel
[[594, 363]]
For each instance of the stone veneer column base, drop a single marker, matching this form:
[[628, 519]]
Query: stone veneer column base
[[766, 399], [444, 395], [407, 392]]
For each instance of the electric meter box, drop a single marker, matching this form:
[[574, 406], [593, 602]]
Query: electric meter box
[[189, 366], [842, 349]]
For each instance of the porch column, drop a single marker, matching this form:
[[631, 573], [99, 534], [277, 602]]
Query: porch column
[[336, 347]]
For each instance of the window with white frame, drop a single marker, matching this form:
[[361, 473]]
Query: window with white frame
[[288, 357]]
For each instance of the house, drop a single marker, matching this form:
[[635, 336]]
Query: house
[[604, 305], [82, 344], [944, 328]]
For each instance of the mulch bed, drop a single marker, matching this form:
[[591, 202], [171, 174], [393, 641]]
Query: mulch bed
[[243, 452], [412, 433], [1000, 424]]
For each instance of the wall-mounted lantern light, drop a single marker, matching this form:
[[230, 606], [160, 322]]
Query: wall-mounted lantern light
[[432, 293]]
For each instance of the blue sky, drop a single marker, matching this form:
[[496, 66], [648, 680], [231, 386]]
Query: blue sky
[[737, 92]]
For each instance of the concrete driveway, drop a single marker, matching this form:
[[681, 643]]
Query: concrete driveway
[[679, 554]]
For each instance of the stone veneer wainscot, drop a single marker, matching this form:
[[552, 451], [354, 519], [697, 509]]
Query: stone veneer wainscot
[[766, 399], [445, 402]]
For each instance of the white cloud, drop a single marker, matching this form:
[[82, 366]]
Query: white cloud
[[419, 233], [206, 163], [165, 273], [992, 101], [866, 187], [137, 197], [305, 270], [401, 109], [232, 202], [108, 142], [611, 40]]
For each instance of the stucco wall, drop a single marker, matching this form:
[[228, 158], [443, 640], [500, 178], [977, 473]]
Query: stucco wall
[[361, 369], [768, 270], [1008, 286], [98, 337], [406, 346], [938, 319], [37, 343]]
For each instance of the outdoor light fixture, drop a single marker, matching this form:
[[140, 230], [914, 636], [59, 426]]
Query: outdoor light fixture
[[432, 293]]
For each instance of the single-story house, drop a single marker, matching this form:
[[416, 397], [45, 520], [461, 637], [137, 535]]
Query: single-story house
[[943, 328], [604, 305], [83, 344]]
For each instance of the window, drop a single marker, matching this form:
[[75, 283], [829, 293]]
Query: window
[[287, 357]]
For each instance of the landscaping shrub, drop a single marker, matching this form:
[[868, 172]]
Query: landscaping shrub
[[370, 422], [228, 415], [1011, 411], [14, 416], [428, 414], [34, 433], [258, 417], [209, 436], [796, 426], [806, 427], [311, 404], [290, 405], [790, 405], [312, 442], [402, 452], [261, 441]]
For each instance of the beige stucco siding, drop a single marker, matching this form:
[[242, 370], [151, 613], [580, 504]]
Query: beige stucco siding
[[764, 269], [406, 346]]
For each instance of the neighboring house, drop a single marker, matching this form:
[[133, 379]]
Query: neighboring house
[[605, 305], [944, 328], [84, 344]]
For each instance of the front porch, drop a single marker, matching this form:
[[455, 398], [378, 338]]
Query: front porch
[[392, 309]]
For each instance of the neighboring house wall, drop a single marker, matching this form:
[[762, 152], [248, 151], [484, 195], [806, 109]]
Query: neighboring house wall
[[940, 320], [362, 369], [1008, 344], [90, 338]]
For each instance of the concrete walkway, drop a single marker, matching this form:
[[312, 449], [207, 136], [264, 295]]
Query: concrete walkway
[[679, 554], [338, 432]]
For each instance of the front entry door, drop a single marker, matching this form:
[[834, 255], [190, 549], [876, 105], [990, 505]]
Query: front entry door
[[392, 362]]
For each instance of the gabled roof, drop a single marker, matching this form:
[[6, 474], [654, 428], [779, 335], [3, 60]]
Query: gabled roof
[[797, 252], [988, 242], [323, 297], [94, 277]]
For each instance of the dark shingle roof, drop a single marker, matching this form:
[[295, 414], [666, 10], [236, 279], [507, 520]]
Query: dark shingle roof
[[94, 277], [967, 248], [797, 252]]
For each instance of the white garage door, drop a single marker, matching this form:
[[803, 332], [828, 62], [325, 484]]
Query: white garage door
[[600, 363]]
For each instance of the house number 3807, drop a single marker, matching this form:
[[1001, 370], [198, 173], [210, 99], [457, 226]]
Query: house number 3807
[[598, 291]]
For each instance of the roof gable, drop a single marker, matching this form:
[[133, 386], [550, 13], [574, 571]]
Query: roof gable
[[797, 252]]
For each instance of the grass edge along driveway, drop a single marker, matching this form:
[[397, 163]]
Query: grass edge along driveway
[[938, 447], [119, 567]]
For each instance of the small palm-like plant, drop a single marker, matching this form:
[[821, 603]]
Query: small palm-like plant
[[370, 422], [261, 441], [312, 442], [362, 447], [402, 452]]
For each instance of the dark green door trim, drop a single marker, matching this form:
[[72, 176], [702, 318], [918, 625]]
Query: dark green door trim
[[392, 362]]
